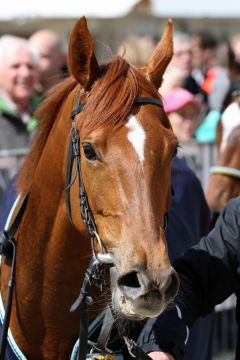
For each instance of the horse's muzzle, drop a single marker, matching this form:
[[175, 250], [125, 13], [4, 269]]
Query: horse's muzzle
[[135, 296]]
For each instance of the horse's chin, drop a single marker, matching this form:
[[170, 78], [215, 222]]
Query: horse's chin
[[147, 306]]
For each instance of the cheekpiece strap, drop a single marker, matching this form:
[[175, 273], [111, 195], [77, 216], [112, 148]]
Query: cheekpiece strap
[[77, 110]]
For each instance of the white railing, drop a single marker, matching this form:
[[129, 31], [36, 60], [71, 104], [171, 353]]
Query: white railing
[[200, 157]]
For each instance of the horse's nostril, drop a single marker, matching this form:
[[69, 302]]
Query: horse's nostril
[[130, 280], [133, 284]]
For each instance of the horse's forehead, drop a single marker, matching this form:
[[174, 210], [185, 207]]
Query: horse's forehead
[[137, 136], [141, 135], [230, 120]]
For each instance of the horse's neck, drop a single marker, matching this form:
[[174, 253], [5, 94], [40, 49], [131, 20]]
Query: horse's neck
[[51, 259]]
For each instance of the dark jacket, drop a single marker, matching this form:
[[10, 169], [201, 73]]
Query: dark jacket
[[209, 272]]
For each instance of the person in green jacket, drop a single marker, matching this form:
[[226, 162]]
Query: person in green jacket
[[18, 76]]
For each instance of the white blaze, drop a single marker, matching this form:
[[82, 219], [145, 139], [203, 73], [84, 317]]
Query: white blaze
[[230, 119], [136, 136]]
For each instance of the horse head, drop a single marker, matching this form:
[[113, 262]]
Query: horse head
[[126, 147]]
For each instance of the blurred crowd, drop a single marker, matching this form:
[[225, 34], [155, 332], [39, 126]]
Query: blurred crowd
[[197, 86], [28, 69], [199, 82]]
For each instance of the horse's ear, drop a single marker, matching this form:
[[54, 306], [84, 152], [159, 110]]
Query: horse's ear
[[162, 55], [82, 62]]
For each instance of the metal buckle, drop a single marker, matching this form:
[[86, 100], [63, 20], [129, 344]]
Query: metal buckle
[[130, 345]]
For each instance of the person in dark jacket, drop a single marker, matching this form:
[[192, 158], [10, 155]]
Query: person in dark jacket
[[209, 273]]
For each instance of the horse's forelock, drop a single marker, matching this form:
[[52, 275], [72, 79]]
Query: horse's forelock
[[112, 96]]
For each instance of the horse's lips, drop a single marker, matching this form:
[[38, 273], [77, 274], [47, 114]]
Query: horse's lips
[[122, 305], [125, 306]]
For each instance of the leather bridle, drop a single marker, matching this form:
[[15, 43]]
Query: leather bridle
[[94, 273]]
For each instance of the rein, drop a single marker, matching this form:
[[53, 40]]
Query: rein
[[225, 170]]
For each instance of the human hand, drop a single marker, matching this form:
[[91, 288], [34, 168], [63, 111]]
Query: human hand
[[158, 355]]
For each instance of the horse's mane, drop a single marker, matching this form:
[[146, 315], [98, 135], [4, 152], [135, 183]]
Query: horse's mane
[[110, 102], [47, 113]]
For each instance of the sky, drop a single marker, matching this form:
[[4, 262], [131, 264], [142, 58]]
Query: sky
[[202, 8], [69, 8], [112, 8]]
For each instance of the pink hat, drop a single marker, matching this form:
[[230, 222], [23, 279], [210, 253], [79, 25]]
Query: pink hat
[[177, 98]]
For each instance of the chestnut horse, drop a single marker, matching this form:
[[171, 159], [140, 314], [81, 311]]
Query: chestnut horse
[[224, 182], [126, 145]]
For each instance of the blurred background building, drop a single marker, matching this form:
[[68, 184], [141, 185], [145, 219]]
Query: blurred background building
[[111, 22]]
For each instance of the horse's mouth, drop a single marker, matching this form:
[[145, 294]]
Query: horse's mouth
[[127, 310], [139, 309]]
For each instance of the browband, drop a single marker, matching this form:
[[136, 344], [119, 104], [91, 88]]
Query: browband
[[140, 100]]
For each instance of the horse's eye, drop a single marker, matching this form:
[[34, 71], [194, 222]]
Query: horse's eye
[[90, 152]]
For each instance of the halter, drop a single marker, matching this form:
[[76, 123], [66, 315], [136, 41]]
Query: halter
[[94, 273], [225, 170]]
